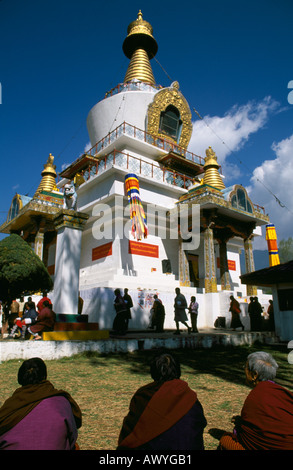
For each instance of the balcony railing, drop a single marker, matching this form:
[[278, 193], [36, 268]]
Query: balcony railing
[[132, 86], [143, 136], [136, 165]]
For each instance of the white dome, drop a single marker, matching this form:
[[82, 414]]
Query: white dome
[[126, 106]]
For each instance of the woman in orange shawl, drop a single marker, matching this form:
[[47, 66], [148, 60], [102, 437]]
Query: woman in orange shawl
[[165, 414], [266, 421]]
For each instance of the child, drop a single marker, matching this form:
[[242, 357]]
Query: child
[[193, 310]]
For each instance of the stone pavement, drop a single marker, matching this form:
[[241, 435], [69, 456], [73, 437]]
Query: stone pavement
[[134, 340]]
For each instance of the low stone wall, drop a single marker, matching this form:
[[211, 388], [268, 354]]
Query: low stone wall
[[50, 350]]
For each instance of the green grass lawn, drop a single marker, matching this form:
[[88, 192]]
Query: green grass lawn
[[103, 385]]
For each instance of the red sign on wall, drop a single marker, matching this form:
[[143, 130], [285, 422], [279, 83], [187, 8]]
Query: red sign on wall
[[143, 249], [231, 264], [102, 251]]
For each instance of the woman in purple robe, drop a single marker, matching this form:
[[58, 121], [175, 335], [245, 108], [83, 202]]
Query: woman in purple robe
[[38, 416]]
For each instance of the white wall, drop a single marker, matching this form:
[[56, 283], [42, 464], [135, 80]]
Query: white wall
[[283, 319]]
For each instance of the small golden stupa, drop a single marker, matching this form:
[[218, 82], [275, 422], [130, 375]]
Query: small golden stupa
[[211, 168], [48, 182]]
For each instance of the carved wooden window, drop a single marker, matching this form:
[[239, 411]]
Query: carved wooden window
[[170, 122]]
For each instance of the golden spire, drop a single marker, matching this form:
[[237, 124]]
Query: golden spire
[[140, 46], [211, 167], [48, 176]]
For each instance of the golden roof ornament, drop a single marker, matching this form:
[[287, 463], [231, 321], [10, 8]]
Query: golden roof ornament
[[49, 174], [140, 46], [211, 168]]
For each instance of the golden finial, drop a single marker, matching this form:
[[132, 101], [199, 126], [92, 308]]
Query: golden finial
[[140, 46], [49, 174], [211, 168]]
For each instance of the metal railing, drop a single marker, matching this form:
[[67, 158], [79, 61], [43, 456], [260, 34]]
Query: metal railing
[[132, 86], [138, 166], [143, 136]]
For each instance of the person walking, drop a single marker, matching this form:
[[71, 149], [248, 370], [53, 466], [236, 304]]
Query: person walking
[[129, 304], [180, 305], [235, 312], [271, 320], [257, 314], [119, 323], [158, 315]]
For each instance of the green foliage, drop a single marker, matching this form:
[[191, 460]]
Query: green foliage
[[286, 250], [21, 270]]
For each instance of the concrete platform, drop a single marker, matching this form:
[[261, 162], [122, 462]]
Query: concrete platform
[[134, 340]]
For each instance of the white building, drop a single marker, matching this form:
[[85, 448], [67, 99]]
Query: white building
[[143, 129]]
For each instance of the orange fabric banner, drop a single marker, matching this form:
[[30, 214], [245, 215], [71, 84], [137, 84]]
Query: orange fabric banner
[[102, 251]]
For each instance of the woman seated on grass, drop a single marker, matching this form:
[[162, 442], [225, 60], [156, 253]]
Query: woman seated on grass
[[165, 414], [266, 421], [37, 416]]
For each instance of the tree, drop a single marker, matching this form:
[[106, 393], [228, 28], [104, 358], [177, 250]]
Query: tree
[[21, 270], [286, 250]]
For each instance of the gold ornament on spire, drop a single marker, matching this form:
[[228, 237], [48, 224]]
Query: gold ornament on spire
[[49, 174], [211, 168], [140, 46]]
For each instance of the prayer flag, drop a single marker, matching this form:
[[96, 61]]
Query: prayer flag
[[271, 237], [139, 223]]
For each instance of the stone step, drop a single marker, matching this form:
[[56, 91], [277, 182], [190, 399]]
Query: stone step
[[70, 326], [71, 318], [75, 335]]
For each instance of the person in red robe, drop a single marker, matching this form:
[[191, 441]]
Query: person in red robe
[[40, 304], [45, 321], [266, 421], [164, 414], [235, 312]]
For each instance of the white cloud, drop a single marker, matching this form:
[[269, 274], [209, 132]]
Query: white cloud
[[64, 166], [230, 132], [272, 182], [87, 147]]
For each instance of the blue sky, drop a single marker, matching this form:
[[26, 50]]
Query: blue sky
[[232, 59]]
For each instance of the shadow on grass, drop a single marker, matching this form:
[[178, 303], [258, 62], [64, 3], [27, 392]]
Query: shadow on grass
[[222, 362]]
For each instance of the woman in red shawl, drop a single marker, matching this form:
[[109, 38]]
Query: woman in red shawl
[[235, 312], [165, 414], [45, 321], [266, 421]]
